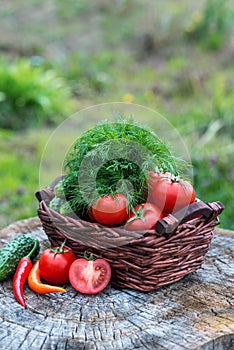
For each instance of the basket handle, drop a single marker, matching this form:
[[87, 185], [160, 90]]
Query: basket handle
[[169, 224], [48, 193], [45, 195]]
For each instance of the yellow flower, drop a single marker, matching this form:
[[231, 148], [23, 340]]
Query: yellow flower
[[197, 17], [128, 98]]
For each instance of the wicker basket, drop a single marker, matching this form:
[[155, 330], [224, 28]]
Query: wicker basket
[[143, 261]]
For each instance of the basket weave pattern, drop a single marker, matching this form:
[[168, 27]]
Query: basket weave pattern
[[143, 261]]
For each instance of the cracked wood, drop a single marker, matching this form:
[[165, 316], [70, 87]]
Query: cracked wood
[[194, 313]]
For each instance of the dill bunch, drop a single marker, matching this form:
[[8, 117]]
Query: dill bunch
[[114, 157]]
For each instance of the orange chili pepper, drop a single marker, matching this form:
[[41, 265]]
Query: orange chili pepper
[[34, 282]]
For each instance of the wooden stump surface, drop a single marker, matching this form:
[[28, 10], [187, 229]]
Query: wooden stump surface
[[194, 313]]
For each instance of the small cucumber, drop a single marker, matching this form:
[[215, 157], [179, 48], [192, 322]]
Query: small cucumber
[[12, 252], [59, 191], [56, 203]]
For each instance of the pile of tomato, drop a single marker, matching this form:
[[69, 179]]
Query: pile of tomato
[[59, 266], [166, 194]]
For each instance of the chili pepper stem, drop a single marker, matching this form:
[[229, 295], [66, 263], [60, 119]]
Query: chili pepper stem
[[32, 251]]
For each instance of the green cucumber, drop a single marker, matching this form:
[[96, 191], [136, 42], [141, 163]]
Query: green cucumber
[[56, 203], [12, 252]]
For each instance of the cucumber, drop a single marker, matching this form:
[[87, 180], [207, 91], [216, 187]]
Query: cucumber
[[59, 191], [13, 251], [56, 203]]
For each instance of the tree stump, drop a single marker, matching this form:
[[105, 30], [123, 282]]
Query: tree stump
[[194, 313]]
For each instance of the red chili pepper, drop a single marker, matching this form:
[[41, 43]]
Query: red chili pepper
[[21, 274]]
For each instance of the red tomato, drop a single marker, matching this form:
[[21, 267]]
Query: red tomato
[[159, 176], [54, 264], [89, 276], [153, 178], [170, 195], [108, 210], [90, 215], [144, 217]]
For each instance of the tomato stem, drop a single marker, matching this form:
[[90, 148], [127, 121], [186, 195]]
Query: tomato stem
[[60, 249], [175, 178], [89, 257], [139, 214]]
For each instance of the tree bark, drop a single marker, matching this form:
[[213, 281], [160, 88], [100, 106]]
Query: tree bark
[[194, 313]]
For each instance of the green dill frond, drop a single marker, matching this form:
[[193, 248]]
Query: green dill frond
[[114, 157]]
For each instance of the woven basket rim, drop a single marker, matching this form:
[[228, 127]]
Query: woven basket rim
[[149, 261], [165, 226]]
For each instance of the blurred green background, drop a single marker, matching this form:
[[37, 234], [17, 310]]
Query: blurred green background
[[58, 57]]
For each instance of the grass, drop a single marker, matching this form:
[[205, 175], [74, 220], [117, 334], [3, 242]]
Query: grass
[[174, 59], [31, 96], [18, 172]]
